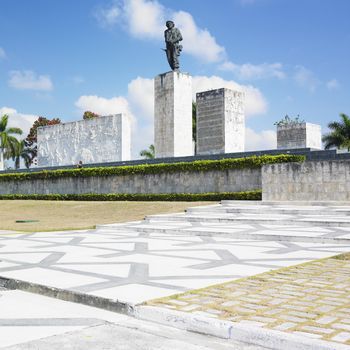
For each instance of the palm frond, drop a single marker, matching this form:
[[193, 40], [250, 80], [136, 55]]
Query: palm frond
[[17, 131], [3, 122], [335, 125], [148, 153]]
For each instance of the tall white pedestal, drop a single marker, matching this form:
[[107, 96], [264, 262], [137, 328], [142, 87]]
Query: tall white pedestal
[[173, 115], [220, 121]]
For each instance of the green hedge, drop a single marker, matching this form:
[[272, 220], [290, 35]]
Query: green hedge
[[143, 169], [186, 197]]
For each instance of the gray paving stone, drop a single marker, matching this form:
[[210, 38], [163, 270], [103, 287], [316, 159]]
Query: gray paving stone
[[285, 326], [318, 329], [341, 326], [342, 337], [326, 320]]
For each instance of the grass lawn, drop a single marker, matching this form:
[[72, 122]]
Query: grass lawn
[[67, 215]]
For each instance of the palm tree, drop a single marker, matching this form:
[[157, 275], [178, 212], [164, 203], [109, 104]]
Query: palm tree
[[22, 151], [148, 153], [8, 142], [339, 137]]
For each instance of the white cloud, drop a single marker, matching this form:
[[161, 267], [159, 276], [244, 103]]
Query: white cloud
[[2, 53], [333, 84], [258, 141], [255, 102], [107, 17], [29, 80], [141, 98], [103, 106], [143, 137], [19, 120], [145, 19], [305, 78], [198, 42], [250, 71]]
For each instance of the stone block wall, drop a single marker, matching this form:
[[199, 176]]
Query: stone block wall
[[180, 182], [309, 181], [300, 135], [220, 121], [173, 115], [97, 140]]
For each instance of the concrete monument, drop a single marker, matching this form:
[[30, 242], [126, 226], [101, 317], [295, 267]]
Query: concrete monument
[[220, 121], [96, 140], [299, 135], [173, 115]]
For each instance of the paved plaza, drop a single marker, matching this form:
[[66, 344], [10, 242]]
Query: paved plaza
[[167, 255], [134, 267]]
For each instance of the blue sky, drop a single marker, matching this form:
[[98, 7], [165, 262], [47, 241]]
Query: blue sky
[[59, 58]]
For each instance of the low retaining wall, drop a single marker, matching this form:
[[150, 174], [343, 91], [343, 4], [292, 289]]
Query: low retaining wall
[[231, 180], [312, 180]]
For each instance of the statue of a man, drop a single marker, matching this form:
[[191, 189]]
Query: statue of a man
[[173, 48]]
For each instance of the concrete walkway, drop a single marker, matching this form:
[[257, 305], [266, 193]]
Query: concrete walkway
[[170, 254], [34, 322]]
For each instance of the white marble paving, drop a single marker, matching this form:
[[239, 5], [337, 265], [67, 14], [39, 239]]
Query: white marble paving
[[136, 293], [26, 316], [138, 261]]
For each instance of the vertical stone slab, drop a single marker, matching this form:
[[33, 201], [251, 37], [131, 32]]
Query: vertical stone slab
[[299, 135], [98, 140], [173, 115], [220, 121]]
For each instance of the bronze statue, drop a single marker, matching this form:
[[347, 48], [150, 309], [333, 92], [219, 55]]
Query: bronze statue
[[173, 48]]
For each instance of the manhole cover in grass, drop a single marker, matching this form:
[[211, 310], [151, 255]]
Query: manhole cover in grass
[[25, 221]]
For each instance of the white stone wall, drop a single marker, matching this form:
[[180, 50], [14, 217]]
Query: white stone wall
[[173, 115], [97, 140], [220, 121], [325, 180], [230, 180], [301, 135]]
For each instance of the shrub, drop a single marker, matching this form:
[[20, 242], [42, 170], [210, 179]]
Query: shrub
[[186, 197], [144, 169]]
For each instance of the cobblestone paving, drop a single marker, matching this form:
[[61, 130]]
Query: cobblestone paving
[[312, 299]]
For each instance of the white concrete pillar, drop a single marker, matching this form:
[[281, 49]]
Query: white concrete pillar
[[220, 121], [173, 115]]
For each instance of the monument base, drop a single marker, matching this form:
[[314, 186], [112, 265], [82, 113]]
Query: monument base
[[173, 115]]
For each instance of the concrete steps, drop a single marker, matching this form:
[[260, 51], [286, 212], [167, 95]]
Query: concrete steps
[[250, 209], [318, 222], [289, 220]]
